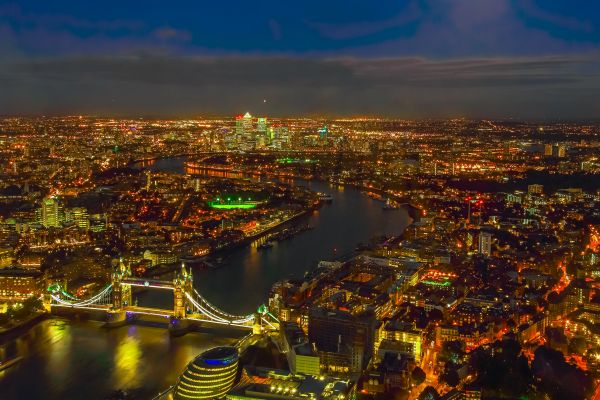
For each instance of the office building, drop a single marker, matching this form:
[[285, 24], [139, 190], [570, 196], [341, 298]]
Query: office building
[[344, 341], [78, 216], [485, 243], [535, 189], [18, 284], [51, 212], [301, 356], [209, 376]]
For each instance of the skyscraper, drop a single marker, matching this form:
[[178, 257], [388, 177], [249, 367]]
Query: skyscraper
[[79, 217], [244, 132], [51, 212], [535, 189], [485, 243], [261, 125]]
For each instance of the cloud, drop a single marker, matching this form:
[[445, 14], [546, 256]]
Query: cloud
[[349, 30], [167, 34], [430, 28], [562, 21], [275, 28], [168, 85]]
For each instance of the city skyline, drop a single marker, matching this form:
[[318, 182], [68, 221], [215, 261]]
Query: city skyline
[[477, 59], [326, 200]]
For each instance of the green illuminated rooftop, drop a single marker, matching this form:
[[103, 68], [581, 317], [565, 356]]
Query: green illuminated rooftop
[[288, 160], [233, 206]]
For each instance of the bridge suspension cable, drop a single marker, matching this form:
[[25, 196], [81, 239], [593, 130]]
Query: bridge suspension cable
[[214, 314], [101, 298], [217, 310]]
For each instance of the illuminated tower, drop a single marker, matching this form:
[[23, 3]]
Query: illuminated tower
[[148, 180], [183, 283], [262, 138], [244, 132], [247, 123], [121, 294], [261, 126], [51, 212], [485, 243], [323, 132]]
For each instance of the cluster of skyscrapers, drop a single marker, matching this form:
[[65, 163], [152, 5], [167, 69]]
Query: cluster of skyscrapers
[[252, 133]]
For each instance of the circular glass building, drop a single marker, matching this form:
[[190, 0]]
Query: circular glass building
[[210, 375]]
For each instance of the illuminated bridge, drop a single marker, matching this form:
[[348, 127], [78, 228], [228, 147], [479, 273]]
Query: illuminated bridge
[[189, 305]]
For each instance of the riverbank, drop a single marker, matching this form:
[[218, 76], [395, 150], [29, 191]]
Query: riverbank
[[415, 212], [10, 333], [164, 270]]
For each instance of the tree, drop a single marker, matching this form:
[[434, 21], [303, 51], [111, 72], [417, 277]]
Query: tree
[[557, 378], [435, 315], [556, 338], [418, 376], [577, 345], [502, 369], [451, 352], [450, 377]]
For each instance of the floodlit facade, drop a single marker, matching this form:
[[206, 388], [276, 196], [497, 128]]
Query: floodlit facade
[[210, 375]]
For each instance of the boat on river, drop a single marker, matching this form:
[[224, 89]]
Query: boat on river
[[326, 197], [265, 246], [389, 206]]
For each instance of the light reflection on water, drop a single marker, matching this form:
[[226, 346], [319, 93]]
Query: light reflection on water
[[79, 359], [127, 360]]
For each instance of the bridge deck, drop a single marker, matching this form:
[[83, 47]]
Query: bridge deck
[[149, 311], [149, 283]]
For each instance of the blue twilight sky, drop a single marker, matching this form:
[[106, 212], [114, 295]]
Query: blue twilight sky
[[481, 58]]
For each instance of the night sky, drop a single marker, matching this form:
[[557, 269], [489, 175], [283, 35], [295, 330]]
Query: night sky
[[528, 59]]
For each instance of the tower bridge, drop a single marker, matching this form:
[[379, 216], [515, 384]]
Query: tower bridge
[[189, 306]]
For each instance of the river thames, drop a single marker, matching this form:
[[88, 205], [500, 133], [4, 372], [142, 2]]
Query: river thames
[[79, 359]]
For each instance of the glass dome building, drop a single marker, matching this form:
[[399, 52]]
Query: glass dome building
[[209, 376]]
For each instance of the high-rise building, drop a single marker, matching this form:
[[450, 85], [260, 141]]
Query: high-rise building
[[535, 189], [548, 150], [485, 243], [323, 132], [6, 256], [51, 212], [261, 125], [344, 341], [247, 124], [401, 338], [244, 132], [78, 216], [148, 179]]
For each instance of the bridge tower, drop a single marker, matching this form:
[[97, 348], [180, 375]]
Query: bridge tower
[[121, 294], [257, 324], [182, 284]]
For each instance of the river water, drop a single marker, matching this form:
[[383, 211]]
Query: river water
[[78, 359]]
